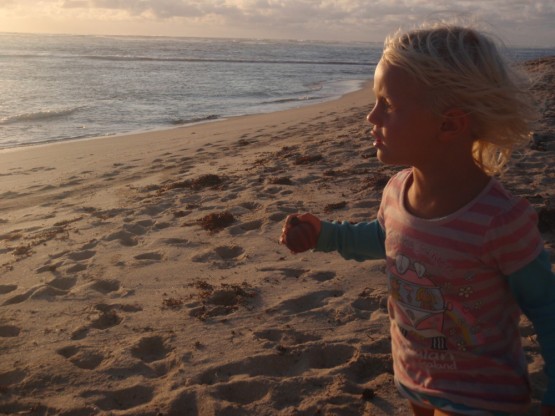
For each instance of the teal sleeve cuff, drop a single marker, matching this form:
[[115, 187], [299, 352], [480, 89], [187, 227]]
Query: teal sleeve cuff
[[361, 241], [534, 288]]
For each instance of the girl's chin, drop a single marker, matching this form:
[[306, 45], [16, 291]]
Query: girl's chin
[[388, 159]]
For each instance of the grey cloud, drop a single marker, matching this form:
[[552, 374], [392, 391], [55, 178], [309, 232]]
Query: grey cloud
[[326, 16], [160, 8], [290, 11], [75, 4]]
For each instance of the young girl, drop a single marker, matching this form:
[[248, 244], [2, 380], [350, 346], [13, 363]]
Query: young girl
[[464, 257]]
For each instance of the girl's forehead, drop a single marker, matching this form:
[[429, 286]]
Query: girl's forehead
[[395, 81]]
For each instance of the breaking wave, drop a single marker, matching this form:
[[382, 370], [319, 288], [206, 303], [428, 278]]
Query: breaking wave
[[37, 115]]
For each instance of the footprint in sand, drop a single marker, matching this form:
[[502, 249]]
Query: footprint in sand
[[295, 362], [306, 303], [371, 300], [251, 206], [12, 378], [366, 367], [125, 238], [106, 286], [5, 289], [243, 392], [220, 256], [82, 357], [22, 297], [44, 292], [76, 268], [9, 331], [321, 276], [103, 316], [184, 403], [150, 349], [122, 399], [151, 257], [63, 283], [285, 337], [280, 216], [178, 242], [245, 227], [154, 210], [50, 266], [285, 271], [47, 292], [130, 233], [81, 255]]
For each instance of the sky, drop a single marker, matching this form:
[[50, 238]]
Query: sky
[[517, 22]]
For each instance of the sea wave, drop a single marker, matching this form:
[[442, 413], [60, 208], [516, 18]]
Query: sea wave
[[181, 121], [142, 58], [37, 115], [222, 60], [292, 100]]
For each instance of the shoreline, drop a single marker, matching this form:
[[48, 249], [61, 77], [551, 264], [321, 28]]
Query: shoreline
[[363, 86]]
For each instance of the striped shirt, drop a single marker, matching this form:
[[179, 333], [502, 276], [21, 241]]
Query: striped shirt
[[454, 320]]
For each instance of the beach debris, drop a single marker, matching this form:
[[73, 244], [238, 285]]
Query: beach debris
[[216, 221], [368, 394], [305, 160], [369, 154], [335, 206], [223, 300], [281, 180], [205, 181], [286, 151], [208, 180], [23, 249], [172, 303], [245, 142]]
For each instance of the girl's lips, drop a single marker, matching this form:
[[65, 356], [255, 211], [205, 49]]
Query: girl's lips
[[378, 141]]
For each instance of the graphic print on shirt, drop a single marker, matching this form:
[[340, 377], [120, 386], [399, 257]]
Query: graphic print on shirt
[[419, 303]]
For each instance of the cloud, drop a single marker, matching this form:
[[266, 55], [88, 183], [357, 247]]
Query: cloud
[[160, 9], [343, 19]]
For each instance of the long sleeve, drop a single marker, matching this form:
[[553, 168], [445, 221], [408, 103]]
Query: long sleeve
[[361, 241], [534, 288]]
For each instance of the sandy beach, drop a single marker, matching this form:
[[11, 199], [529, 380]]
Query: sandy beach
[[142, 275]]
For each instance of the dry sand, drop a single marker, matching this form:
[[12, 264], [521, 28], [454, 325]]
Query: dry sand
[[118, 296]]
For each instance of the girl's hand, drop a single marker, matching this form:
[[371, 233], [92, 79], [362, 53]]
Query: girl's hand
[[300, 232]]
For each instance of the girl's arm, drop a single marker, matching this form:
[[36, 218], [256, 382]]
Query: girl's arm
[[534, 288], [361, 241]]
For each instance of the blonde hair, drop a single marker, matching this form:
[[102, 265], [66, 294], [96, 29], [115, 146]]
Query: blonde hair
[[463, 68]]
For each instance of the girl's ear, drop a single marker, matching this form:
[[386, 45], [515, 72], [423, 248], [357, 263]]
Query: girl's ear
[[456, 123]]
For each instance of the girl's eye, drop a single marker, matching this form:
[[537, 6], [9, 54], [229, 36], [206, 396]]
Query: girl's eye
[[386, 104]]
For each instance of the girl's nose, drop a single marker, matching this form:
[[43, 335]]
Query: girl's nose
[[372, 117]]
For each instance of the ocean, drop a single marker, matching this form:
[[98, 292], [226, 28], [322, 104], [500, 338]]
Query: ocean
[[66, 87]]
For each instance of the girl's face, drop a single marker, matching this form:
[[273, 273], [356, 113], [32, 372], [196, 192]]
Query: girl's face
[[405, 127]]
